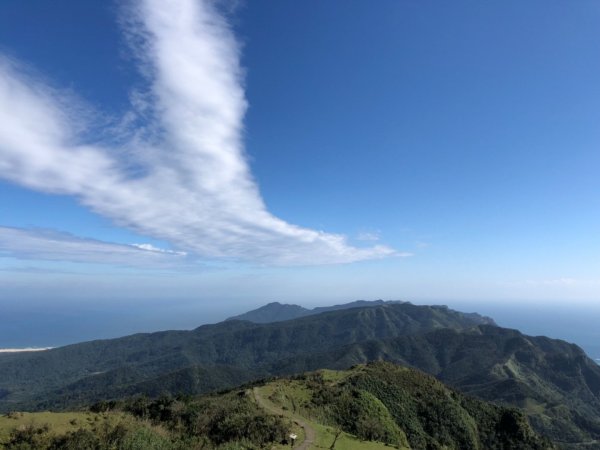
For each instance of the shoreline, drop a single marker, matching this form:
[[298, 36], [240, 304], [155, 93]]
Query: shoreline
[[26, 349]]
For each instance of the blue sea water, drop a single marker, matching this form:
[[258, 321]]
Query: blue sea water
[[576, 323], [58, 325]]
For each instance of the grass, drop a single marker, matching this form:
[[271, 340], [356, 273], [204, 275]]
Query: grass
[[291, 395], [59, 422], [334, 376], [326, 437]]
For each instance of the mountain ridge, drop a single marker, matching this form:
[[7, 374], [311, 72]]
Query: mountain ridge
[[239, 343], [279, 312], [553, 381]]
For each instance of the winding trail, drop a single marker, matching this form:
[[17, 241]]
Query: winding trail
[[310, 433]]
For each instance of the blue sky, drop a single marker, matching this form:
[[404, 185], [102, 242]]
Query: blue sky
[[185, 154]]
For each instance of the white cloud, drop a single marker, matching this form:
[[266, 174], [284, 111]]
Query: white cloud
[[152, 248], [52, 246], [192, 185]]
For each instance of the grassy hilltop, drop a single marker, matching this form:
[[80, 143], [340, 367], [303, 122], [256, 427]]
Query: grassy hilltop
[[369, 407]]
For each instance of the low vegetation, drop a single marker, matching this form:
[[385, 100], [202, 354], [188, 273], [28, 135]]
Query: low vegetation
[[366, 408], [223, 422], [403, 408]]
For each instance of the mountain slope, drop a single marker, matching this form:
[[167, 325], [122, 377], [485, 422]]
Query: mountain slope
[[243, 345], [401, 407], [553, 381]]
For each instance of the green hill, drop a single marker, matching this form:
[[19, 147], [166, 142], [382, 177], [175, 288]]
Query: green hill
[[369, 407], [553, 381], [402, 407]]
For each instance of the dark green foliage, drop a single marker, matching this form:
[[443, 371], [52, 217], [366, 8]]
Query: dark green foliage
[[401, 406], [76, 440], [103, 438], [145, 439], [378, 402], [186, 423], [435, 417], [363, 415], [29, 438], [229, 417]]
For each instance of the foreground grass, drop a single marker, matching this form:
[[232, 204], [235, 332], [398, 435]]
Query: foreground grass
[[372, 407], [59, 422], [326, 436]]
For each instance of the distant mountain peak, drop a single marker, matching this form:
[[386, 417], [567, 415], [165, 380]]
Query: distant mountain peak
[[279, 312], [273, 312]]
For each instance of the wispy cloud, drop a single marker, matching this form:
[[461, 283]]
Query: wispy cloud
[[179, 172], [152, 248], [554, 285], [368, 236], [33, 270], [563, 281], [53, 246]]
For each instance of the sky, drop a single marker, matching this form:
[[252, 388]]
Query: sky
[[166, 162]]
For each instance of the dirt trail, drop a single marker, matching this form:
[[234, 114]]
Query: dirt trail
[[309, 432]]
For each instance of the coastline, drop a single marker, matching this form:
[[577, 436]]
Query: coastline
[[26, 349]]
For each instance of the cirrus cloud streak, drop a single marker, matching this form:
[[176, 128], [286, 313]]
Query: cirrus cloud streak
[[48, 245], [192, 186]]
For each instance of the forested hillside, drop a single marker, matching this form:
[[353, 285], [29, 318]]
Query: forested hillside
[[370, 407]]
